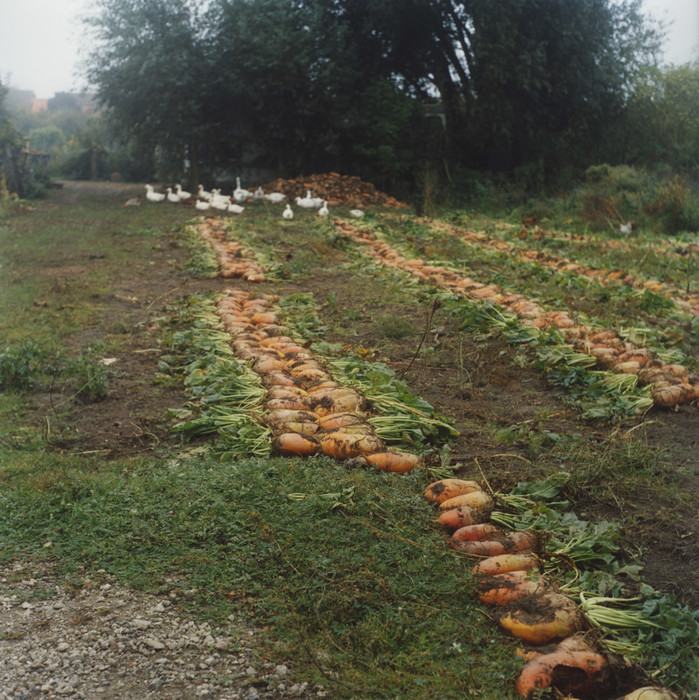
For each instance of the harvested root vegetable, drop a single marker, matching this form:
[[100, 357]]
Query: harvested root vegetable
[[266, 364], [309, 374], [288, 415], [293, 403], [296, 427], [502, 563], [650, 693], [277, 379], [474, 499], [284, 392], [396, 462], [343, 445], [480, 531], [455, 518], [540, 619], [341, 420], [337, 400], [668, 396], [265, 317], [567, 671], [514, 542], [503, 589], [444, 489], [295, 444]]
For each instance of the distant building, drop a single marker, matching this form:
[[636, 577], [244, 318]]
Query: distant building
[[72, 101], [39, 104], [20, 98]]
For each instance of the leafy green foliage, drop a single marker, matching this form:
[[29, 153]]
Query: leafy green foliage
[[225, 391], [91, 373], [20, 365]]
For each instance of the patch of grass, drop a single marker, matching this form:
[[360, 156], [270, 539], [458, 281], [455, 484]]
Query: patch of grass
[[396, 327], [369, 583]]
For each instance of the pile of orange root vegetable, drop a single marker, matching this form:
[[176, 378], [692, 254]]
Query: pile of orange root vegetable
[[335, 189], [671, 384], [564, 654], [307, 411], [234, 261]]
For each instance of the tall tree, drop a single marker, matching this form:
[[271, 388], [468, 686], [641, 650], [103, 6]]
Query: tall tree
[[149, 67]]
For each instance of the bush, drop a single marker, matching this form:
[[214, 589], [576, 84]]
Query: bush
[[20, 364]]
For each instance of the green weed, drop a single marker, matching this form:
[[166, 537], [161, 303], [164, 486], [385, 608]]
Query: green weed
[[20, 365]]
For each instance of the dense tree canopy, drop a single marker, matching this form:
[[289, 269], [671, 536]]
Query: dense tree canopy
[[302, 85]]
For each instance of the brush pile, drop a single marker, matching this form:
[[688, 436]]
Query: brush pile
[[338, 190]]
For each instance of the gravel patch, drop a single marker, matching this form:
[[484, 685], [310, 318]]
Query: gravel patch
[[101, 640]]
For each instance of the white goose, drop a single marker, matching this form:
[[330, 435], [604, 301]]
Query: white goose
[[171, 196], [182, 194], [152, 195], [356, 213], [288, 214], [220, 203], [202, 205], [274, 197], [324, 211], [259, 193], [239, 194], [235, 208], [309, 202], [203, 194]]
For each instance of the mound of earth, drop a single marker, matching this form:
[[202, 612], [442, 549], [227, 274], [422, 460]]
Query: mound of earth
[[338, 190]]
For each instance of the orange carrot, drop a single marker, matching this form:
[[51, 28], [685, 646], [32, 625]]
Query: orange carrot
[[503, 589], [336, 401], [265, 317], [444, 489], [480, 531], [280, 392], [277, 379], [305, 427], [551, 670], [343, 445], [320, 387], [539, 619], [283, 415], [514, 542], [268, 364], [474, 499], [455, 518], [503, 563], [295, 444], [397, 462], [340, 420], [298, 403], [309, 374]]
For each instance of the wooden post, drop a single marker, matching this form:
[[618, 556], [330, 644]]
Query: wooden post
[[12, 160]]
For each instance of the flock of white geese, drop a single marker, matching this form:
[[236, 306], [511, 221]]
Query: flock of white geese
[[233, 204]]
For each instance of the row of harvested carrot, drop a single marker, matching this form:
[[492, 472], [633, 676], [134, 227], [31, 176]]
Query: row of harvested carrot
[[307, 411], [527, 604], [687, 301], [671, 384], [690, 302], [668, 248], [234, 261]]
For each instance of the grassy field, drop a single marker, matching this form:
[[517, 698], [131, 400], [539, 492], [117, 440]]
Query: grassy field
[[353, 580]]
